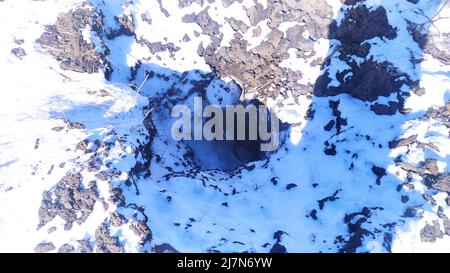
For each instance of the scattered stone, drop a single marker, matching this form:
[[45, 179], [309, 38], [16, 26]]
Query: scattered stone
[[117, 219], [403, 142], [19, 52], [105, 243], [430, 233], [70, 197], [164, 248], [44, 247], [84, 246], [66, 248], [142, 230], [64, 40]]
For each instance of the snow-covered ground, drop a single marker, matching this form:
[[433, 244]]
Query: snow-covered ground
[[87, 162]]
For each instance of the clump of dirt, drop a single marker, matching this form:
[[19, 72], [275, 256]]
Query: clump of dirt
[[65, 41], [44, 247], [259, 69], [105, 243], [68, 198]]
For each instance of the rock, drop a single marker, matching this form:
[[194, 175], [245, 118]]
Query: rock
[[257, 31], [256, 14], [403, 142], [105, 243], [227, 3], [117, 219], [44, 247], [164, 248], [64, 40], [187, 3], [84, 247], [66, 248], [189, 18], [126, 28], [419, 91], [440, 182], [430, 233], [51, 230], [117, 197], [237, 25], [19, 52], [385, 110], [142, 230], [19, 41], [205, 22], [70, 198]]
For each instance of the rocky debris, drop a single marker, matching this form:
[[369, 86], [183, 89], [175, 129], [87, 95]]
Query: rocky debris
[[142, 230], [258, 70], [187, 3], [441, 114], [227, 3], [44, 247], [117, 219], [146, 18], [440, 181], [430, 233], [65, 41], [117, 197], [206, 23], [435, 44], [19, 41], [51, 230], [156, 47], [126, 27], [186, 38], [105, 243], [19, 52], [164, 248], [237, 25], [403, 142], [77, 125], [256, 14], [68, 198], [385, 110], [424, 169], [66, 248], [84, 247]]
